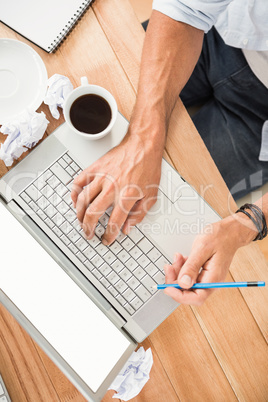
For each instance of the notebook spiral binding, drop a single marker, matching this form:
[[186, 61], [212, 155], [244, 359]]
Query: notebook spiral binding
[[69, 26]]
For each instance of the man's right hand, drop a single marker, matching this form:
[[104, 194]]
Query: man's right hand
[[127, 177]]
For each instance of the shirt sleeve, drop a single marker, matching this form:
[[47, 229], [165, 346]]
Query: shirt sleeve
[[201, 14]]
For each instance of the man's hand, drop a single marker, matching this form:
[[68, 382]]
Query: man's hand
[[127, 177], [209, 260]]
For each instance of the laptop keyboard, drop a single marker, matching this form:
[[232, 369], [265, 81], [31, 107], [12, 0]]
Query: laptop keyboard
[[128, 268]]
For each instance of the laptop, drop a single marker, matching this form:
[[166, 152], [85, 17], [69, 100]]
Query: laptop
[[88, 305]]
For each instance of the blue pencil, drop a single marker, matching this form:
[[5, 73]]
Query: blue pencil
[[214, 285]]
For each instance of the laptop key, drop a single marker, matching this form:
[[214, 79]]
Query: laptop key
[[129, 295], [70, 215], [67, 228], [113, 291], [99, 231], [101, 249], [65, 240], [125, 274], [145, 245], [94, 241], [33, 193], [81, 256], [109, 257], [121, 300], [151, 269], [58, 219], [113, 278], [73, 235], [127, 244], [105, 283], [81, 244], [143, 260], [34, 206], [67, 159], [154, 254], [117, 266], [89, 252], [61, 190], [63, 163], [159, 277], [123, 256], [135, 252], [143, 294], [55, 199], [120, 237], [139, 273], [104, 220], [133, 283], [57, 231], [136, 303], [49, 223], [135, 235], [116, 247], [161, 262], [120, 286], [47, 191], [53, 182], [89, 265], [131, 264], [105, 269], [97, 261], [25, 197], [148, 282], [50, 211], [73, 248], [61, 174], [63, 207], [129, 309], [97, 274]]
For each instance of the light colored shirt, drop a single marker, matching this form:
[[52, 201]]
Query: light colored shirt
[[241, 23]]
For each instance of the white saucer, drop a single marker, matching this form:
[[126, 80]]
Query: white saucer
[[23, 79]]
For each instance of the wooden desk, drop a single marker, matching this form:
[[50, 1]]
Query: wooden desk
[[217, 352]]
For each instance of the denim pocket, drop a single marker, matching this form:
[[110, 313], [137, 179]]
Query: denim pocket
[[244, 79]]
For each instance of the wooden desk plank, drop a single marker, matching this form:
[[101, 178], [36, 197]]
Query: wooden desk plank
[[21, 367], [188, 359]]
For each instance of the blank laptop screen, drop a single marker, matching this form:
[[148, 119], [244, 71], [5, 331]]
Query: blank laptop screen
[[81, 333]]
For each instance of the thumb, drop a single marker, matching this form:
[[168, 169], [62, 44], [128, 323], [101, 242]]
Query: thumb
[[190, 271]]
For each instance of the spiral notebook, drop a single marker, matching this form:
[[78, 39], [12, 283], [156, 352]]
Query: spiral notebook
[[45, 23]]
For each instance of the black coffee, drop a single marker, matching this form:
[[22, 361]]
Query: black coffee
[[90, 114]]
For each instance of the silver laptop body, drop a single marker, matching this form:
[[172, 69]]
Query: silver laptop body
[[118, 279]]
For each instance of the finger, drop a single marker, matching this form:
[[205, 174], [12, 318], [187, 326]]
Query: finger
[[190, 270], [170, 274], [137, 214], [85, 197], [179, 260], [116, 221], [79, 183], [191, 297], [94, 211]]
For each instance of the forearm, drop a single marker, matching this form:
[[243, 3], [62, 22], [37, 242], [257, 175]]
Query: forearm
[[170, 53]]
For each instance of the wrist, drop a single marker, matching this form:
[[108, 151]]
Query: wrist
[[244, 229]]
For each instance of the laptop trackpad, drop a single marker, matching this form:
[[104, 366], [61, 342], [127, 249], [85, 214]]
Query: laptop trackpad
[[79, 331]]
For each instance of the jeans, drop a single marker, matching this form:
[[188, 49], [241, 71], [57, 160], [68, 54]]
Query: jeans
[[234, 108]]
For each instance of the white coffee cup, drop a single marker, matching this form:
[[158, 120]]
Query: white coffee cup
[[86, 89]]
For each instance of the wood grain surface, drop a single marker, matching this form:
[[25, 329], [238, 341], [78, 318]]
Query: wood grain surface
[[217, 352]]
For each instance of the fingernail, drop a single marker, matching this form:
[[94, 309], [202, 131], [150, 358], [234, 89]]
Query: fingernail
[[105, 242], [186, 280]]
